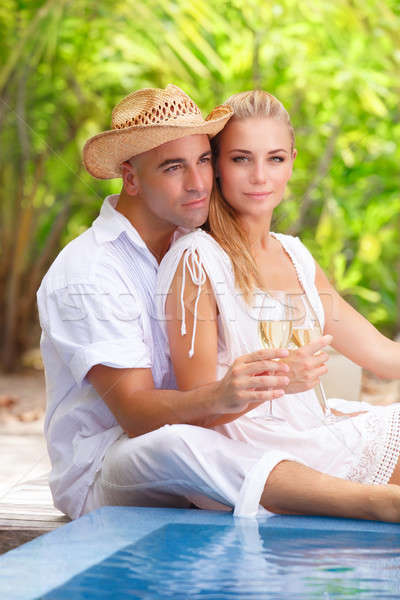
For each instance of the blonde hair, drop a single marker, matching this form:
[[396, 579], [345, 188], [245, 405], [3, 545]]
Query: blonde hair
[[222, 221]]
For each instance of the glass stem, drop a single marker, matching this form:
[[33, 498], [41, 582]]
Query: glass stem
[[322, 399]]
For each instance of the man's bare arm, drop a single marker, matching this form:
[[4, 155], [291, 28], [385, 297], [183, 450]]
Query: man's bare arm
[[139, 407]]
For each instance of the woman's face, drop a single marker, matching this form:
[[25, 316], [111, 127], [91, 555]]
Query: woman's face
[[254, 164]]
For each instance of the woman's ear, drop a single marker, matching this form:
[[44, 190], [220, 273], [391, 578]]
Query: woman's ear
[[294, 154], [130, 178]]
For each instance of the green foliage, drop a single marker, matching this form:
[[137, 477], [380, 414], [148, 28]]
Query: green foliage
[[335, 66]]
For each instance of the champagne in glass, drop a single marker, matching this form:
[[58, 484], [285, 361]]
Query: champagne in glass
[[301, 337], [276, 334]]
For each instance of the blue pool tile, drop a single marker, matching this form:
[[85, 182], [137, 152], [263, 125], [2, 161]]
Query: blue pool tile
[[133, 553], [188, 561]]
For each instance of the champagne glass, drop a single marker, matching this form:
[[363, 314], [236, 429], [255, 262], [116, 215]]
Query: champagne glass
[[305, 330], [302, 337], [274, 333]]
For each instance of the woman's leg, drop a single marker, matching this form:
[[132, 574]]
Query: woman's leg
[[293, 488]]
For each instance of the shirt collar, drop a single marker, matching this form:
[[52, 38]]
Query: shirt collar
[[110, 224]]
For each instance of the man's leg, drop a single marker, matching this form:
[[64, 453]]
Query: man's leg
[[181, 465], [293, 488]]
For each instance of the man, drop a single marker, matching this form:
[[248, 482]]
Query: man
[[117, 430]]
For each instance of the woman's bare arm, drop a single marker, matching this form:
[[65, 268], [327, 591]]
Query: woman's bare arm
[[354, 336], [201, 368]]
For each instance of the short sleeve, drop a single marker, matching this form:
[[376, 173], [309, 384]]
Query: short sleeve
[[88, 325]]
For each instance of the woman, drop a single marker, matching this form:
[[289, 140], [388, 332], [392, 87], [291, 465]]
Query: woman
[[217, 280]]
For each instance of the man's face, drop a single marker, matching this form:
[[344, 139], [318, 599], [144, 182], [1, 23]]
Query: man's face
[[174, 181]]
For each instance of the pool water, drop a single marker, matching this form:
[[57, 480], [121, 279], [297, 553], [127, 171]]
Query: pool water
[[245, 559]]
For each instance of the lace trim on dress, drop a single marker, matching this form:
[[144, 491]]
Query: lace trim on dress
[[381, 448], [299, 271], [392, 451], [291, 245]]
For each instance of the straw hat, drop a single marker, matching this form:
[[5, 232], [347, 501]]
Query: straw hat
[[144, 120]]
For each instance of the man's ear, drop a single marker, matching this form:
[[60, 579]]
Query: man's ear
[[130, 178]]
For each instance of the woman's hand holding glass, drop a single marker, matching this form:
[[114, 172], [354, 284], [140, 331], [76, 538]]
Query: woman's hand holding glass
[[306, 330], [307, 364], [306, 360]]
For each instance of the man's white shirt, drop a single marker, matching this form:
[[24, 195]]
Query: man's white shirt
[[96, 306]]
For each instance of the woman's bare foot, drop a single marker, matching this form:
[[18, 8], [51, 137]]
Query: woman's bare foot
[[385, 503]]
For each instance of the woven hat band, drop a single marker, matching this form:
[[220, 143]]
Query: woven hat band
[[149, 107]]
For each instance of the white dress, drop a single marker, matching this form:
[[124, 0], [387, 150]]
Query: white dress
[[364, 448]]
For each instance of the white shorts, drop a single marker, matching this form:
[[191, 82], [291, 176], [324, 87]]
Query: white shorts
[[183, 465]]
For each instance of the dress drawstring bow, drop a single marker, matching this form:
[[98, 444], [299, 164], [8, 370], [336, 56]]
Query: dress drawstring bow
[[193, 264]]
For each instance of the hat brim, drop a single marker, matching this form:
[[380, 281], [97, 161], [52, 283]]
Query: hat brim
[[104, 153]]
